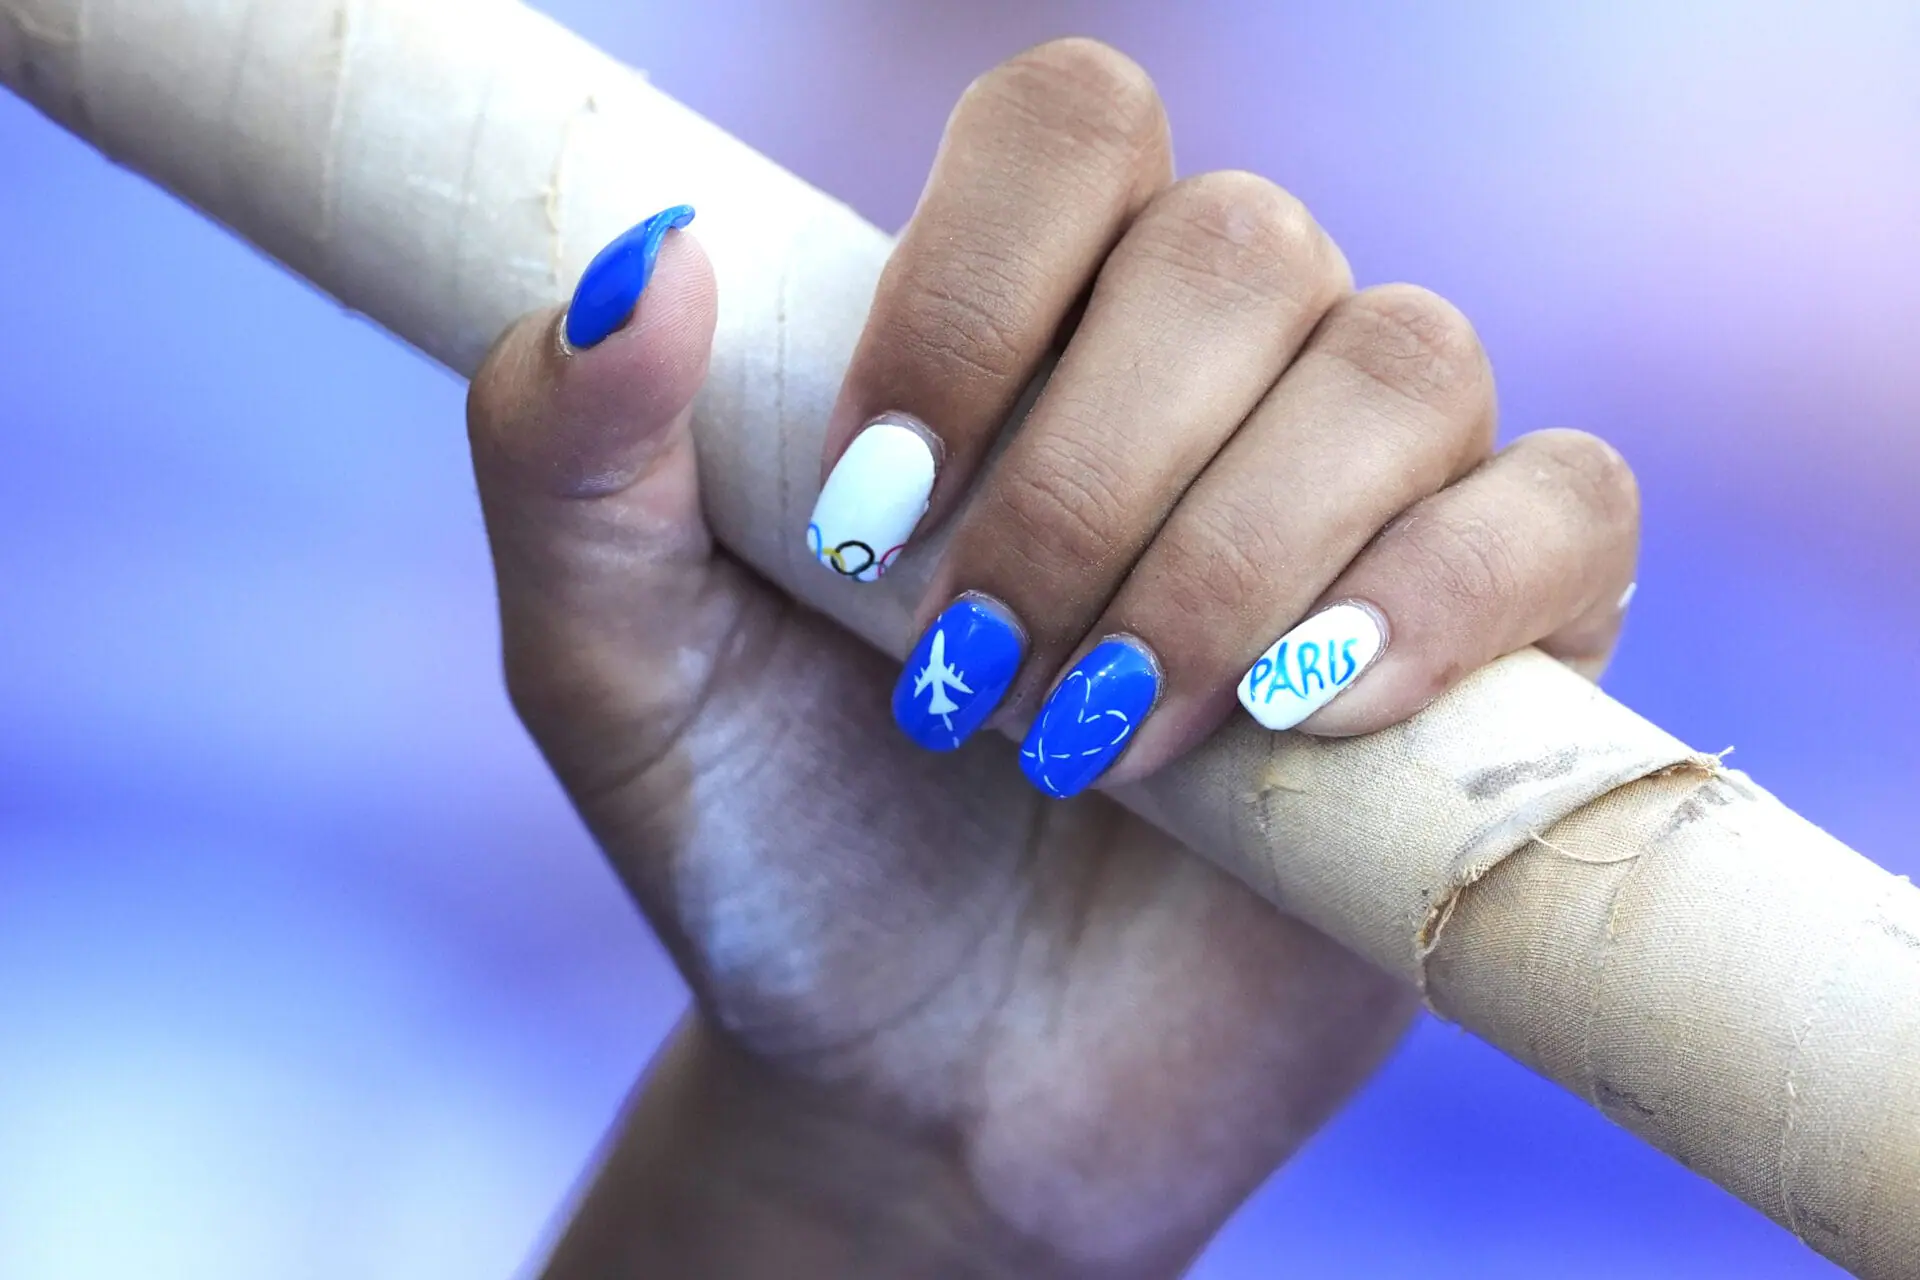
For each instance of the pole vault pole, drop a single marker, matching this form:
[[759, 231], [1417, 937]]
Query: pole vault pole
[[1629, 918]]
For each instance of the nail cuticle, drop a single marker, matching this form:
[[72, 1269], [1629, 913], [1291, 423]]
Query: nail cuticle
[[992, 602], [1380, 621], [926, 433], [1149, 655]]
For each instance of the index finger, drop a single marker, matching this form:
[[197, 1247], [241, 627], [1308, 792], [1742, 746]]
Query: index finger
[[1045, 162]]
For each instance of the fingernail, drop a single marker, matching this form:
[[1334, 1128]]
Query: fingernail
[[1626, 597], [957, 674], [1312, 665], [1090, 717], [611, 286], [873, 499]]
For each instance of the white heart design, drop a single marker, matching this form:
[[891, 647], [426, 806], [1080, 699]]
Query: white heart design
[[1058, 704]]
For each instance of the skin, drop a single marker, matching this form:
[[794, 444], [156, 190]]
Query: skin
[[944, 1026]]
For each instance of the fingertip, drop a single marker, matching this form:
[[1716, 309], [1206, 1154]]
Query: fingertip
[[654, 365], [1385, 699], [585, 421]]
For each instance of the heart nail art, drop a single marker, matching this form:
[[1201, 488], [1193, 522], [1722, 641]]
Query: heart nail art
[[1090, 717]]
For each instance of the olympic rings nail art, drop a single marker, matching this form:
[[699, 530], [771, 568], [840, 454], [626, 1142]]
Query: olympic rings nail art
[[872, 501]]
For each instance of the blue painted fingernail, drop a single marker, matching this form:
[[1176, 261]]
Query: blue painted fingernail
[[957, 674], [610, 288], [1090, 718]]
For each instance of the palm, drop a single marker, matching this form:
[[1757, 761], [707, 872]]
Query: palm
[[1058, 984]]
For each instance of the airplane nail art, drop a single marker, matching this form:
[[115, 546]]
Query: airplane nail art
[[957, 674]]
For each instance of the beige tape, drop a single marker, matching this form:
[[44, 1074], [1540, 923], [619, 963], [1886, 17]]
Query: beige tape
[[1658, 935]]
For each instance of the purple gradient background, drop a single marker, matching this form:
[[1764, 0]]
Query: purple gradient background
[[307, 971]]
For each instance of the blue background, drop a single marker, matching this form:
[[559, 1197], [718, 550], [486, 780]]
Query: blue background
[[307, 971]]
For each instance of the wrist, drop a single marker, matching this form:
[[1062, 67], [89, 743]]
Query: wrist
[[721, 1167]]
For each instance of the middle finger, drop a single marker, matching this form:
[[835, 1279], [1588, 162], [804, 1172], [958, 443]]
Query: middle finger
[[1203, 304]]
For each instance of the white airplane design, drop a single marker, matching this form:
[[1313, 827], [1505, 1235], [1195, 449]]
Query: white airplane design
[[939, 677]]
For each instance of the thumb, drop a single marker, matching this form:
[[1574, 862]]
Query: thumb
[[584, 456], [592, 404]]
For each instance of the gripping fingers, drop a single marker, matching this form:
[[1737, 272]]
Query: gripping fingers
[[1203, 304], [1391, 401]]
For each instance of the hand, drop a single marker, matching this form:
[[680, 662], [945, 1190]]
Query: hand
[[947, 1024]]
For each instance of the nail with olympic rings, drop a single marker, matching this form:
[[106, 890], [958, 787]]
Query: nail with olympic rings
[[874, 497]]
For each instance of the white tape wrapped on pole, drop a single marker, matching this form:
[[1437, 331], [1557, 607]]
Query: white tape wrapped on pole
[[1558, 875]]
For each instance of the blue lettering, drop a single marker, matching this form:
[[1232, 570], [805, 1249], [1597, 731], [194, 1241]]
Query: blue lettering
[[1279, 680], [1259, 673], [1310, 666], [1346, 656]]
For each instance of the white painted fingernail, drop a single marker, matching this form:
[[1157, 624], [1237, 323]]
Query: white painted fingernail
[[1626, 597], [871, 502], [1312, 665]]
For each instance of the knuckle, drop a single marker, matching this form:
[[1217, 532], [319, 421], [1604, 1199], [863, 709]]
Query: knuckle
[[531, 693], [960, 315], [1589, 469], [574, 708], [1469, 561], [496, 397], [1240, 230], [1216, 563], [545, 690], [1083, 88], [1055, 508], [1411, 341]]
